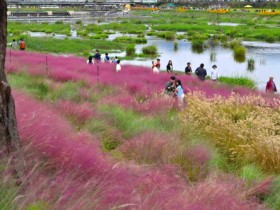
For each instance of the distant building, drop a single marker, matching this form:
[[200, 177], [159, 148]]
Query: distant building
[[149, 1]]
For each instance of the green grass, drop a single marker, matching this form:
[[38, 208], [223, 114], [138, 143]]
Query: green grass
[[108, 134], [130, 50], [164, 25], [131, 40], [150, 50], [35, 86], [17, 27], [132, 123], [273, 199], [8, 192], [38, 88], [251, 173], [239, 81], [73, 46]]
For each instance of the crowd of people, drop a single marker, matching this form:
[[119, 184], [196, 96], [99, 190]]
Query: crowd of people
[[97, 58], [174, 86], [214, 75]]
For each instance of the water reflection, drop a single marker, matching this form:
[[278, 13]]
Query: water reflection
[[239, 58], [250, 65], [213, 56], [197, 49]]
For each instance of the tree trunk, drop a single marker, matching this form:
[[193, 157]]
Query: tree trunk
[[9, 138]]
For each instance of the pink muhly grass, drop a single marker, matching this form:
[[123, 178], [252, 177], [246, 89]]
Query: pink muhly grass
[[153, 104], [261, 188], [137, 80], [149, 147], [84, 93], [82, 112], [198, 154], [221, 193], [54, 137], [79, 153]]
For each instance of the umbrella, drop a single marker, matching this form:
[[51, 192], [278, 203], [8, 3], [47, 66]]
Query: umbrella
[[248, 6]]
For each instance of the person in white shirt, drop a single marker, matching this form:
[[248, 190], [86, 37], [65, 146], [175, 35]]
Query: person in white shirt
[[118, 66], [214, 73]]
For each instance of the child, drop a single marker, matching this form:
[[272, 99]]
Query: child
[[118, 66]]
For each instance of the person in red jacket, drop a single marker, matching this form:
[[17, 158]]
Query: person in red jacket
[[21, 44], [270, 86]]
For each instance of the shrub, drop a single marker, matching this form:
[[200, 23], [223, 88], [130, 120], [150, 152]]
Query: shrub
[[130, 50], [126, 39], [169, 36], [197, 45], [150, 50], [239, 51], [270, 39], [234, 44], [239, 80], [248, 121], [79, 22], [59, 22]]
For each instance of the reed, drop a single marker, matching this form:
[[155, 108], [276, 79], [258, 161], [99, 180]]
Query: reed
[[150, 50]]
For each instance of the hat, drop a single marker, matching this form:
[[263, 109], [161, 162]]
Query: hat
[[214, 66], [172, 77]]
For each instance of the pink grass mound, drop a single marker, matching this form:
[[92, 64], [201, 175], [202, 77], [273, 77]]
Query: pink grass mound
[[80, 112]]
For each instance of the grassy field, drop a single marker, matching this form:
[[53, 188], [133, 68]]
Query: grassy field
[[197, 26], [117, 139]]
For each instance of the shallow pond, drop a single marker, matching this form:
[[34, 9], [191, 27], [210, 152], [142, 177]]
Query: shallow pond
[[57, 36], [225, 24], [266, 58]]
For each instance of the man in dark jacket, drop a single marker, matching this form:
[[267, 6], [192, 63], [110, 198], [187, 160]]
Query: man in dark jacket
[[170, 86], [97, 56], [188, 69], [201, 72]]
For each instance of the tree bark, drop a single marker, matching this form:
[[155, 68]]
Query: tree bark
[[9, 138]]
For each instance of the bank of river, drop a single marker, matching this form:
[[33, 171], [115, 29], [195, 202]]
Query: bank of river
[[266, 58]]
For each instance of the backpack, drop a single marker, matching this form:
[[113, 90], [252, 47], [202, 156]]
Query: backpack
[[22, 45]]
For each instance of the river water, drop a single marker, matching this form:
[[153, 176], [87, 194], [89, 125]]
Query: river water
[[265, 55]]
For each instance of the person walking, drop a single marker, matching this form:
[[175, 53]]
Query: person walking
[[270, 86], [214, 73], [169, 67], [201, 72], [14, 44], [188, 69], [21, 44]]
